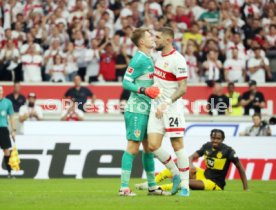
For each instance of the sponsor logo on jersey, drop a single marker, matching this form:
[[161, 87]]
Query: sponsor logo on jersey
[[137, 133], [182, 70], [219, 155], [160, 73], [130, 70]]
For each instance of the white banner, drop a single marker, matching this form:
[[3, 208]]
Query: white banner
[[56, 128], [44, 157]]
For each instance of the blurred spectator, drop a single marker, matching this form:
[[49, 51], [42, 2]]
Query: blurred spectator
[[9, 58], [122, 60], [271, 37], [80, 93], [217, 102], [30, 111], [234, 68], [212, 15], [272, 121], [72, 112], [93, 58], [259, 67], [193, 34], [193, 68], [58, 72], [71, 66], [259, 127], [54, 49], [235, 43], [108, 63], [30, 42], [252, 99], [211, 68], [31, 65], [16, 97], [80, 44], [235, 109]]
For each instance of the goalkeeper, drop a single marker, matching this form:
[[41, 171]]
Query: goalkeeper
[[139, 80], [6, 112], [218, 157]]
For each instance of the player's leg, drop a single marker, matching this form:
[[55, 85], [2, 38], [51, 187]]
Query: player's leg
[[196, 184], [5, 144], [127, 163], [182, 163], [175, 123], [156, 132], [134, 140], [7, 155], [163, 175], [148, 162]]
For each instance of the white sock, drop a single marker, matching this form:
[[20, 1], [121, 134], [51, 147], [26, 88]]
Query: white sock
[[163, 156], [183, 166]]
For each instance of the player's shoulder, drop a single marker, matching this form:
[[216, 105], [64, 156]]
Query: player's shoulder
[[139, 56], [207, 145], [226, 148], [8, 101], [178, 56]]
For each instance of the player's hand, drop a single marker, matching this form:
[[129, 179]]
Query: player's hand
[[161, 108], [152, 92]]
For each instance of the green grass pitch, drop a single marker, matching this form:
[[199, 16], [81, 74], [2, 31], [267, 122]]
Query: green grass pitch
[[65, 194]]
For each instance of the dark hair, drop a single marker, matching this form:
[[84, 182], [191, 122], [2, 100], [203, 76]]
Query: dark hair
[[137, 34], [167, 31], [231, 84], [218, 131], [257, 115]]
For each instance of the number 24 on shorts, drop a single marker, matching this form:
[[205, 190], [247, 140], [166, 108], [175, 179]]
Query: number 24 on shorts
[[173, 122]]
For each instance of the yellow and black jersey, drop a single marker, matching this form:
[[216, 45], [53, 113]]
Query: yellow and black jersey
[[217, 162]]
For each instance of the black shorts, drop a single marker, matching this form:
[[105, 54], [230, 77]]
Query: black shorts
[[5, 141]]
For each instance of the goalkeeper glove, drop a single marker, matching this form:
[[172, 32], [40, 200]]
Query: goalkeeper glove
[[152, 92]]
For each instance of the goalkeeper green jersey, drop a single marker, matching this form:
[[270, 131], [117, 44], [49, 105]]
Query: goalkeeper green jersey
[[138, 74]]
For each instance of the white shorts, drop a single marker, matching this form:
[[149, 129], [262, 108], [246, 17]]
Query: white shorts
[[171, 124]]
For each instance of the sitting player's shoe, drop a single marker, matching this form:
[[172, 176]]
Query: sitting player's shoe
[[184, 192], [141, 186], [125, 191], [176, 182], [158, 191]]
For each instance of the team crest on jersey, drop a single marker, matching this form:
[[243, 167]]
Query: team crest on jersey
[[219, 155], [130, 70], [137, 133], [166, 65]]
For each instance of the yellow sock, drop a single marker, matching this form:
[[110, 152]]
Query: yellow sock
[[163, 175], [166, 187]]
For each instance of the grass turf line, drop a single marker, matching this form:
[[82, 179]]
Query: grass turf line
[[65, 194]]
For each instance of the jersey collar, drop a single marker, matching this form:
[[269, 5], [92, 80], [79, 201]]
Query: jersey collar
[[164, 55]]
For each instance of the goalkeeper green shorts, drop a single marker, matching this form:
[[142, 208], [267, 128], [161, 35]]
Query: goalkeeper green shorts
[[136, 126]]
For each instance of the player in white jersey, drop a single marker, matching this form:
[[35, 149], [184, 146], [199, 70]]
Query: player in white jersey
[[167, 113]]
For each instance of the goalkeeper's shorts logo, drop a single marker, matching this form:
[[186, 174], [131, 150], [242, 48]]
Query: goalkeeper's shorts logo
[[137, 133]]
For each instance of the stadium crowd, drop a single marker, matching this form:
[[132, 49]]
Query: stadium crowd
[[54, 40]]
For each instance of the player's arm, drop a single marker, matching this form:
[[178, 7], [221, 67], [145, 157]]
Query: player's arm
[[192, 158], [181, 90], [128, 84], [242, 174]]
